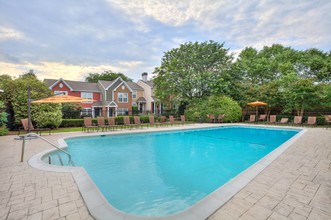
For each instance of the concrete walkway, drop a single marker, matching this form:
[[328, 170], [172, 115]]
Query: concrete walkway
[[297, 185]]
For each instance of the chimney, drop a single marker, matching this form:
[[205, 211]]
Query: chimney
[[144, 76]]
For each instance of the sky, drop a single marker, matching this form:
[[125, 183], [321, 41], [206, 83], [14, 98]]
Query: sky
[[70, 38]]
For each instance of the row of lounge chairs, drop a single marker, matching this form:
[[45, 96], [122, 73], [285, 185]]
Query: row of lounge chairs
[[297, 119], [213, 119], [111, 123]]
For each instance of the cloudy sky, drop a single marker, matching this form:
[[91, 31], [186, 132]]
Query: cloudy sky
[[71, 38]]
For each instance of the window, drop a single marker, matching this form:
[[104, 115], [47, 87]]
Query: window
[[63, 92], [122, 97], [122, 111], [87, 95], [134, 94], [86, 111]]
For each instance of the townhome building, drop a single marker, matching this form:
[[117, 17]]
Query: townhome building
[[152, 104], [108, 98]]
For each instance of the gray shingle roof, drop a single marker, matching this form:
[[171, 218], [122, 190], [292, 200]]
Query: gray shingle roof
[[134, 86], [76, 85]]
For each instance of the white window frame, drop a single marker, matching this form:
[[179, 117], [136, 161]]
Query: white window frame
[[86, 111], [123, 97], [134, 94], [87, 95], [122, 111]]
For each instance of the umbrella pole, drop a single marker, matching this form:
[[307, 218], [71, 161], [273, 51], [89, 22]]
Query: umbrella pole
[[29, 109]]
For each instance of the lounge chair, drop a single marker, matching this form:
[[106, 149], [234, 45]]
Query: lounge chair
[[137, 121], [272, 118], [311, 120], [32, 129], [183, 119], [101, 124], [262, 118], [252, 118], [127, 123], [212, 118], [220, 118], [88, 125], [327, 119], [283, 121], [152, 121], [171, 120], [297, 120], [163, 120], [112, 123]]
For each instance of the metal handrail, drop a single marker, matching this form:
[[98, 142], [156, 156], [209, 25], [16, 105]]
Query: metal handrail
[[38, 136]]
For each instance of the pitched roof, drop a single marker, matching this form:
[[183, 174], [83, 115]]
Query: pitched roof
[[149, 82], [75, 85], [134, 86], [105, 83]]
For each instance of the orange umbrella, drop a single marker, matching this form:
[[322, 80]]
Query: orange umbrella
[[257, 103], [62, 99]]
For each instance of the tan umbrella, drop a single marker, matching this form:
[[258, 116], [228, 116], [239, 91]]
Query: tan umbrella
[[257, 104], [62, 99]]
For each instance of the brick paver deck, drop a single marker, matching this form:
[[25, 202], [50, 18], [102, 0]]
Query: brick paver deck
[[297, 185]]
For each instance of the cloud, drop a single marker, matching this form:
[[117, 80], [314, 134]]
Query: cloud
[[10, 34]]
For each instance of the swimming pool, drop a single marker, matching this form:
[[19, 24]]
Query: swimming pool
[[157, 174]]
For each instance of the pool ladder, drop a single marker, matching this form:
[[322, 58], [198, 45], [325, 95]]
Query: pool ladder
[[34, 135]]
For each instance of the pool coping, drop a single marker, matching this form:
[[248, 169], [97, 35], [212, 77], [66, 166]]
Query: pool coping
[[100, 208]]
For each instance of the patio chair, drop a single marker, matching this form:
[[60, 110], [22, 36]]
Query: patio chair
[[220, 118], [88, 125], [101, 124], [112, 123], [32, 129], [262, 118], [272, 118], [252, 118], [297, 120], [311, 120], [212, 118]]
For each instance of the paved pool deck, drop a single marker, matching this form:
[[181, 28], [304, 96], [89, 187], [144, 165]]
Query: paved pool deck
[[297, 185]]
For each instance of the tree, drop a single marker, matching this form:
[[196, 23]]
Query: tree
[[16, 96], [107, 76], [193, 70], [300, 94], [215, 104]]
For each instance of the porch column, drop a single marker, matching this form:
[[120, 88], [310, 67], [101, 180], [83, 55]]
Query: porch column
[[93, 114]]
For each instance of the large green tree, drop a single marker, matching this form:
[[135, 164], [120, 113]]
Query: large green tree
[[193, 70], [16, 100], [106, 75]]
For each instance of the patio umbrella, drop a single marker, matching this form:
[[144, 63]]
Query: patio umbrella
[[62, 99], [257, 104]]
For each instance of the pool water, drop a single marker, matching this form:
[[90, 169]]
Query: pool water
[[157, 174]]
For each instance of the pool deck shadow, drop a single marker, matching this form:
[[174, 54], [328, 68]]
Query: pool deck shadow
[[296, 185]]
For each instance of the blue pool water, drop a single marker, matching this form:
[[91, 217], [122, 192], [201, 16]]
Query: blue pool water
[[157, 174]]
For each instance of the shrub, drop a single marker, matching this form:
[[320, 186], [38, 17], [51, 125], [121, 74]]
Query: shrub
[[48, 119], [3, 130], [198, 109]]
